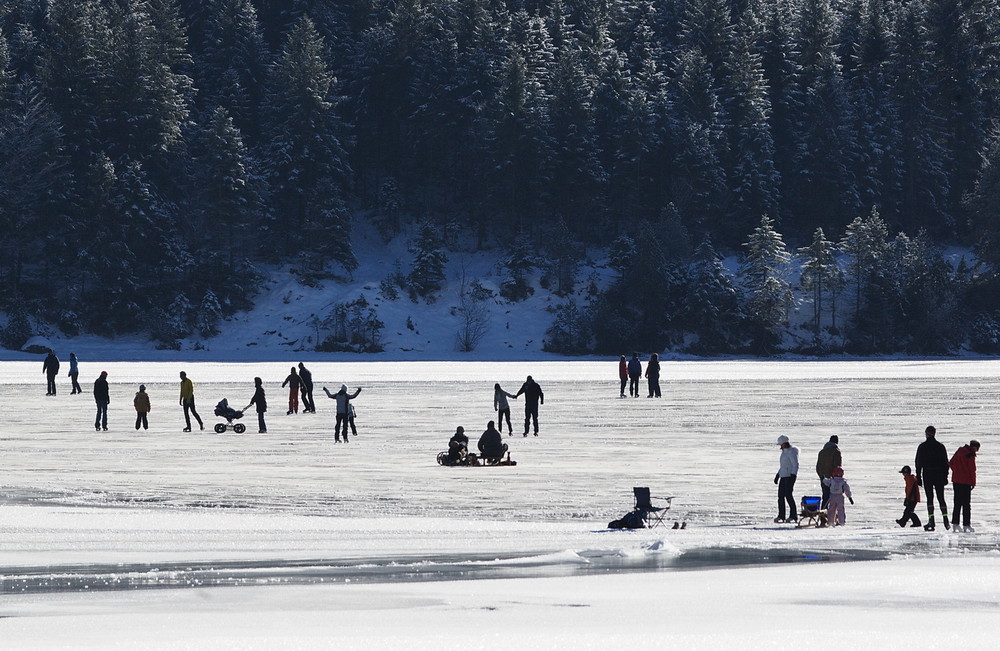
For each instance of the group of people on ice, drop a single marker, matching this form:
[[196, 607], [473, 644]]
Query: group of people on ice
[[932, 465], [630, 372], [299, 382]]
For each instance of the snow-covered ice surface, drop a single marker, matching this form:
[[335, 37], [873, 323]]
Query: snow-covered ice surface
[[288, 540]]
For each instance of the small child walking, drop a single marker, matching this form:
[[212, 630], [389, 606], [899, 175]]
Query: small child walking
[[142, 408], [911, 499], [835, 513]]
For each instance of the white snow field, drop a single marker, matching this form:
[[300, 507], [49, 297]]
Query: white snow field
[[172, 540]]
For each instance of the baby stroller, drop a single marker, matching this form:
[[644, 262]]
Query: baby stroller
[[811, 514], [223, 410]]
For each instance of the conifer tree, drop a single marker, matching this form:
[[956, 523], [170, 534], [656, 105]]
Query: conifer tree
[[427, 271], [768, 292], [821, 277]]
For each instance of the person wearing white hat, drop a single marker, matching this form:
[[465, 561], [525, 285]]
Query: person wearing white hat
[[788, 469]]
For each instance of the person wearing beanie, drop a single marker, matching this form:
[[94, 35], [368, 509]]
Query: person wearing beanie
[[963, 480], [344, 414], [142, 408], [102, 396], [911, 497], [931, 466], [828, 459], [788, 469], [260, 400], [836, 514]]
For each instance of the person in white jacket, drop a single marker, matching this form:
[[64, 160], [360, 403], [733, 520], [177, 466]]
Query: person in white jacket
[[788, 469]]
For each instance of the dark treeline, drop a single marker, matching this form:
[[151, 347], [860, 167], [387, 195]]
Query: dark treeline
[[154, 151]]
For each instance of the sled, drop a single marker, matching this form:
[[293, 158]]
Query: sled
[[444, 459], [810, 513]]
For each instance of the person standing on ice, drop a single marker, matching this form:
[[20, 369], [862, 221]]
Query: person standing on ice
[[306, 377], [502, 407], [343, 411], [963, 480], [260, 400], [187, 401], [50, 367], [634, 373], [836, 515], [533, 396], [911, 498], [623, 374], [931, 465], [292, 382], [788, 469], [142, 408], [74, 374], [102, 396], [828, 459], [653, 375]]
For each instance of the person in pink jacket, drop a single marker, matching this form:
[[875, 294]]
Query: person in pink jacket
[[963, 479], [835, 513]]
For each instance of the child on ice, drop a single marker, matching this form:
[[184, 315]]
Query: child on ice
[[911, 499], [838, 489]]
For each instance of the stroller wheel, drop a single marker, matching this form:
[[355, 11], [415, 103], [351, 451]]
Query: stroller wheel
[[220, 428], [239, 428]]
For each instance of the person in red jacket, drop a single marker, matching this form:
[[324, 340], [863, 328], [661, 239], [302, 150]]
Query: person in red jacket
[[963, 478]]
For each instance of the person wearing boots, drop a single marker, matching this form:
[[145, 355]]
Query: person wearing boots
[[828, 459], [788, 469], [142, 408], [963, 480], [911, 498]]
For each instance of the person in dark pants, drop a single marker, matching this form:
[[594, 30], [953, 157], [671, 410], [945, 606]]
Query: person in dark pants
[[911, 499], [306, 377], [142, 408], [828, 459], [533, 396], [932, 471], [102, 396], [502, 407], [622, 374], [344, 417], [788, 469], [491, 445], [187, 401], [653, 376], [74, 374], [292, 382], [634, 373], [260, 400], [963, 480], [458, 446], [50, 367]]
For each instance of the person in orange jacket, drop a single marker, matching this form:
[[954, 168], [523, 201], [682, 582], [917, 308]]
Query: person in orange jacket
[[911, 499], [963, 478]]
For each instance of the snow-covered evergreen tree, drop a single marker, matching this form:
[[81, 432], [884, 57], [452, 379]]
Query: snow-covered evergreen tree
[[208, 315], [821, 277], [865, 244], [427, 270], [768, 293], [712, 306]]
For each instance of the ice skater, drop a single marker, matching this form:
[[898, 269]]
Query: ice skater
[[911, 497], [142, 408], [931, 465], [50, 367], [102, 396], [788, 468], [963, 480], [533, 396], [260, 400], [343, 411], [187, 401], [293, 381], [306, 377], [74, 374], [836, 514], [502, 407]]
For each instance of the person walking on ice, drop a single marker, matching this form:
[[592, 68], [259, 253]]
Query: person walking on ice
[[931, 465], [827, 459], [74, 374], [835, 513], [50, 367], [142, 408], [788, 469], [533, 396], [292, 382], [911, 498], [187, 401], [306, 377], [963, 480], [343, 411], [260, 400], [502, 407], [634, 373], [653, 375], [622, 374], [102, 396]]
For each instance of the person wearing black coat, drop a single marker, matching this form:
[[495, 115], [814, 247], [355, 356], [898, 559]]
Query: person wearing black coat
[[932, 470], [306, 377], [458, 446], [491, 445], [51, 369], [532, 397], [260, 400], [102, 396]]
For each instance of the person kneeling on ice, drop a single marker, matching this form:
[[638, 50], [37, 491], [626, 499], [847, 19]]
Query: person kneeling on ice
[[491, 445], [458, 446], [788, 468], [835, 513]]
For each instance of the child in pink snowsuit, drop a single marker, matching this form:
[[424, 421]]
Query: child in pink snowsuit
[[839, 487]]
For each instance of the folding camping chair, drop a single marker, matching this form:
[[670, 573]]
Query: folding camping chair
[[652, 515], [811, 513]]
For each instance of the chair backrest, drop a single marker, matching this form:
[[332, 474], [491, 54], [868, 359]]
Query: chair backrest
[[811, 503], [642, 500]]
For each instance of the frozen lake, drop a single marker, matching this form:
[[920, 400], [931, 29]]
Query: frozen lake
[[82, 511]]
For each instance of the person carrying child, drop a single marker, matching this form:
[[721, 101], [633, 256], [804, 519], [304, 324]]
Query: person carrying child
[[835, 513], [911, 499]]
